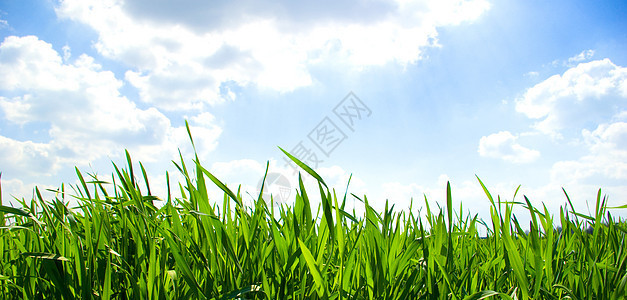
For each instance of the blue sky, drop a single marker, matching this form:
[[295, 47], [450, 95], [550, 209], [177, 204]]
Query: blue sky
[[530, 93]]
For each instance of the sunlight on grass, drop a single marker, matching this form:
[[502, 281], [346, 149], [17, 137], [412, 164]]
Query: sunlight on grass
[[117, 243]]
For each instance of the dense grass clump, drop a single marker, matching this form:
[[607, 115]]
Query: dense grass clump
[[117, 243]]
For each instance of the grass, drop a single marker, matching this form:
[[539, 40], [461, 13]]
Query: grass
[[117, 243]]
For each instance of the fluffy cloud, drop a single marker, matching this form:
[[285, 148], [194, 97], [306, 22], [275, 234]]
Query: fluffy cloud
[[607, 156], [180, 60], [503, 145], [26, 157], [83, 109], [584, 55], [15, 188], [585, 107], [583, 97], [588, 103]]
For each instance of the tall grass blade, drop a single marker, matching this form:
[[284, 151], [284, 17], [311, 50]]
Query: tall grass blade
[[305, 167]]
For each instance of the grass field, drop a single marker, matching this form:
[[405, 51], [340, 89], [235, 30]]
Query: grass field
[[122, 242]]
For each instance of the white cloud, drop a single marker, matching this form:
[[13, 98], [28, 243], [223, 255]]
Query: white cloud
[[26, 157], [34, 64], [503, 145], [15, 188], [607, 156], [67, 53], [181, 54], [586, 107], [584, 55], [532, 74], [582, 97], [86, 115]]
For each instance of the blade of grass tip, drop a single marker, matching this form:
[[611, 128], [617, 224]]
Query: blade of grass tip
[[461, 211], [145, 178], [189, 133], [167, 181], [83, 183], [357, 197], [130, 167], [345, 193], [485, 190], [572, 207], [516, 193], [597, 211], [305, 167], [612, 207], [449, 206], [263, 182], [429, 215], [219, 183]]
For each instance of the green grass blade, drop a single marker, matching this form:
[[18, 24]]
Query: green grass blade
[[313, 268], [305, 167], [219, 183], [15, 211]]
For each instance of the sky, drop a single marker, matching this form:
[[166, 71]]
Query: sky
[[404, 95]]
